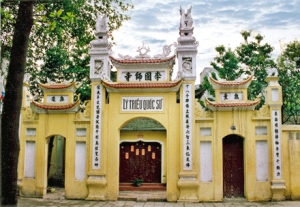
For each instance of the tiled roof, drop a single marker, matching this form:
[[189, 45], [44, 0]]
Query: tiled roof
[[142, 85], [142, 61], [233, 104], [56, 86], [231, 83], [55, 107]]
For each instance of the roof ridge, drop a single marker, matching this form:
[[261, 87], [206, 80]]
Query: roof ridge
[[55, 107], [56, 85], [142, 60], [142, 85], [231, 83]]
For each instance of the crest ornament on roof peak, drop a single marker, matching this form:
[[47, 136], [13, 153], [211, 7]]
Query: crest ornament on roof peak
[[143, 50], [143, 53]]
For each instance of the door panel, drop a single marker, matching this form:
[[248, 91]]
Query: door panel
[[140, 160], [233, 166]]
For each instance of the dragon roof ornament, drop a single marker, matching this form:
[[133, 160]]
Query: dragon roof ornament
[[101, 25], [186, 20]]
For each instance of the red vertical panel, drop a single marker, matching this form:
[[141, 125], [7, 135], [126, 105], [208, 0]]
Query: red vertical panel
[[233, 166], [140, 166]]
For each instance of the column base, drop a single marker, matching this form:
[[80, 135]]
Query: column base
[[96, 186], [188, 185], [278, 189]]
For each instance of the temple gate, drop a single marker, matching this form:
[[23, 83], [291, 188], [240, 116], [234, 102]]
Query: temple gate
[[228, 151]]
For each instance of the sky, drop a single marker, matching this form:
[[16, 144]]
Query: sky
[[216, 22]]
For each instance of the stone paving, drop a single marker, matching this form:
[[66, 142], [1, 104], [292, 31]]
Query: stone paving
[[140, 199], [37, 202]]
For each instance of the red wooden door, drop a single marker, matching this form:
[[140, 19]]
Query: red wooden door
[[140, 160], [233, 166]]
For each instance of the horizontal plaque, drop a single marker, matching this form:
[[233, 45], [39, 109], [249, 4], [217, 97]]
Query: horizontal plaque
[[142, 103]]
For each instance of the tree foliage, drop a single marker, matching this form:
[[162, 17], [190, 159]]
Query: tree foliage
[[289, 76], [13, 100], [62, 29], [250, 57], [227, 64], [255, 57], [58, 33]]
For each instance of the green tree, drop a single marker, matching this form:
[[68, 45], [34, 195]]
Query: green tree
[[11, 109], [227, 64], [68, 25], [250, 57], [32, 32], [289, 76], [255, 57]]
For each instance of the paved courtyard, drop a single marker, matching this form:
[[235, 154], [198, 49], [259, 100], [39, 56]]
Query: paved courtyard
[[36, 202], [139, 199]]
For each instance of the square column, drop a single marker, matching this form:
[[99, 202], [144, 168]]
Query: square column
[[186, 53], [274, 100]]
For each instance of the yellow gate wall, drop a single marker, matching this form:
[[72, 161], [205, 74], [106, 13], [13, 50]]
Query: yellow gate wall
[[220, 124], [291, 159], [114, 119]]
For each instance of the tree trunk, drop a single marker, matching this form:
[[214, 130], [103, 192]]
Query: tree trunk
[[10, 145]]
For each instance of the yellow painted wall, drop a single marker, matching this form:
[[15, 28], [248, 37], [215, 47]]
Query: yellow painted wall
[[220, 124], [291, 157], [47, 126], [114, 119]]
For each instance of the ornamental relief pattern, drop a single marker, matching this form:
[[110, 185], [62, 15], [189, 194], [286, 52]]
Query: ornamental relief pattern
[[264, 111], [30, 115], [85, 114], [187, 65], [200, 112]]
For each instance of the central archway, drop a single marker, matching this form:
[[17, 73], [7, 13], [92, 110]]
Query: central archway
[[142, 143], [140, 160]]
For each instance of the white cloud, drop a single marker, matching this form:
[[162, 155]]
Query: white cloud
[[216, 22]]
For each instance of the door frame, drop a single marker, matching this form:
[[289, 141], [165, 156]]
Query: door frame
[[244, 173], [48, 162], [162, 153]]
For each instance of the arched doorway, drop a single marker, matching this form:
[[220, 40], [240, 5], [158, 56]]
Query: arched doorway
[[56, 161], [233, 166], [142, 151], [140, 160]]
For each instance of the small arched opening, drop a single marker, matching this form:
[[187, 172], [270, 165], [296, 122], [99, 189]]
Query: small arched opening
[[233, 166], [56, 162]]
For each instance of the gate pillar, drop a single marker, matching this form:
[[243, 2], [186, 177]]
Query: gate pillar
[[96, 185], [99, 70], [274, 100], [187, 52], [188, 185]]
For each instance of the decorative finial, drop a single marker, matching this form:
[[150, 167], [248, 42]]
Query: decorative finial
[[101, 26], [272, 72], [186, 20]]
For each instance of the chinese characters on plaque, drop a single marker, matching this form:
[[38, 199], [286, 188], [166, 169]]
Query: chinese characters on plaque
[[97, 127], [144, 76], [142, 103], [276, 143], [57, 99], [187, 129], [228, 96]]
